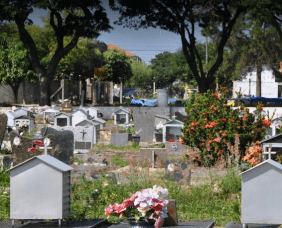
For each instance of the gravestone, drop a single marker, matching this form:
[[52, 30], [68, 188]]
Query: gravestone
[[176, 149], [146, 122], [3, 124], [179, 116], [85, 137], [62, 144], [66, 107], [119, 139], [20, 147]]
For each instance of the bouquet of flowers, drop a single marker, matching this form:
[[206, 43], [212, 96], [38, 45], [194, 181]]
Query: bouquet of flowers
[[150, 202]]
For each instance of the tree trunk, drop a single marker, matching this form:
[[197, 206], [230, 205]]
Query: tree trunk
[[44, 81], [206, 84], [258, 84], [15, 88]]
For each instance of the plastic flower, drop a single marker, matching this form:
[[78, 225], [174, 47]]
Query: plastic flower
[[32, 149]]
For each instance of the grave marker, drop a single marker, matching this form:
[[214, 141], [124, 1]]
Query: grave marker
[[3, 124], [62, 143], [119, 139], [146, 122]]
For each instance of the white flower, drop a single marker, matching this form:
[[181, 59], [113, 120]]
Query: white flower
[[143, 210]]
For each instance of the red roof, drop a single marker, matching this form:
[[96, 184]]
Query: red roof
[[127, 53]]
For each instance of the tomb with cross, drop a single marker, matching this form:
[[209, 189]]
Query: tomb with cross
[[261, 192], [47, 145], [275, 143]]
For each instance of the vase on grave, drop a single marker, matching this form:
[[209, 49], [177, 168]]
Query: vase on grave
[[159, 222], [142, 222]]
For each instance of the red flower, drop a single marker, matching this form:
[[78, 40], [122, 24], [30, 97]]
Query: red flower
[[191, 110], [209, 142], [185, 119], [226, 105], [216, 140], [224, 134], [223, 119], [201, 144], [266, 123], [245, 117], [226, 91], [205, 113], [32, 149], [215, 108], [211, 124], [38, 142], [232, 121], [215, 95]]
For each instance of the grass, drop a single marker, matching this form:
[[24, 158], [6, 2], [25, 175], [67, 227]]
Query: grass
[[102, 147], [218, 200], [117, 160], [90, 198], [31, 134]]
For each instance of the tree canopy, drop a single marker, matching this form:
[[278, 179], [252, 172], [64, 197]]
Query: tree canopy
[[68, 18], [183, 17]]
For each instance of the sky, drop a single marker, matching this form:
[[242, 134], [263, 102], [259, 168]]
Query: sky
[[145, 43]]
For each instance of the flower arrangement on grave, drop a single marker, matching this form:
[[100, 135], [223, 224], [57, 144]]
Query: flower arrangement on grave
[[23, 126], [148, 203], [35, 147], [214, 126]]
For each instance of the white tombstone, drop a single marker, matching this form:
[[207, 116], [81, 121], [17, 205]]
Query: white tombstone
[[172, 127], [40, 189], [25, 120], [62, 120], [121, 116], [261, 194], [79, 115]]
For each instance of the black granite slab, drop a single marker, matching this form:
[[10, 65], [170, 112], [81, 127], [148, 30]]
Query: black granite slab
[[54, 224], [181, 224]]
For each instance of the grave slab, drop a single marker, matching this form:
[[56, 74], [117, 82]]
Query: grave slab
[[181, 223], [54, 224], [119, 139], [250, 225], [146, 122]]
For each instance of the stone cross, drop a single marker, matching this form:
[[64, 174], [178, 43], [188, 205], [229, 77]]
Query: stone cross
[[269, 152], [83, 133], [46, 144]]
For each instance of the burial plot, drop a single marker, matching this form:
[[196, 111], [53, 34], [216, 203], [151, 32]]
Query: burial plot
[[62, 120], [79, 115], [119, 139], [261, 194], [276, 144], [25, 120], [172, 130], [62, 143], [121, 116], [146, 122], [85, 136], [20, 147]]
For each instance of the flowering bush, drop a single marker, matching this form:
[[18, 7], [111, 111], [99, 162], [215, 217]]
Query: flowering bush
[[150, 202], [213, 126], [254, 154]]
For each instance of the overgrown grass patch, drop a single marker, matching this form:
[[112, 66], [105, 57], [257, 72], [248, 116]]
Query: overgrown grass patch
[[222, 204], [103, 147]]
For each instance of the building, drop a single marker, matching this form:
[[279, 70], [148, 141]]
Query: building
[[271, 83], [127, 53]]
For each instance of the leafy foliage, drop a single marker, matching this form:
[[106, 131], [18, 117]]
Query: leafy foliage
[[215, 128], [118, 65]]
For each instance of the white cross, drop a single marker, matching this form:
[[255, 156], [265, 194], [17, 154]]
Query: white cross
[[46, 144], [269, 152]]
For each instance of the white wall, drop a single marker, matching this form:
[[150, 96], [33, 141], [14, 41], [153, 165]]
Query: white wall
[[269, 88]]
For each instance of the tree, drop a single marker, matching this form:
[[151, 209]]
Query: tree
[[253, 43], [67, 18], [182, 17], [141, 73], [14, 65], [118, 65]]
